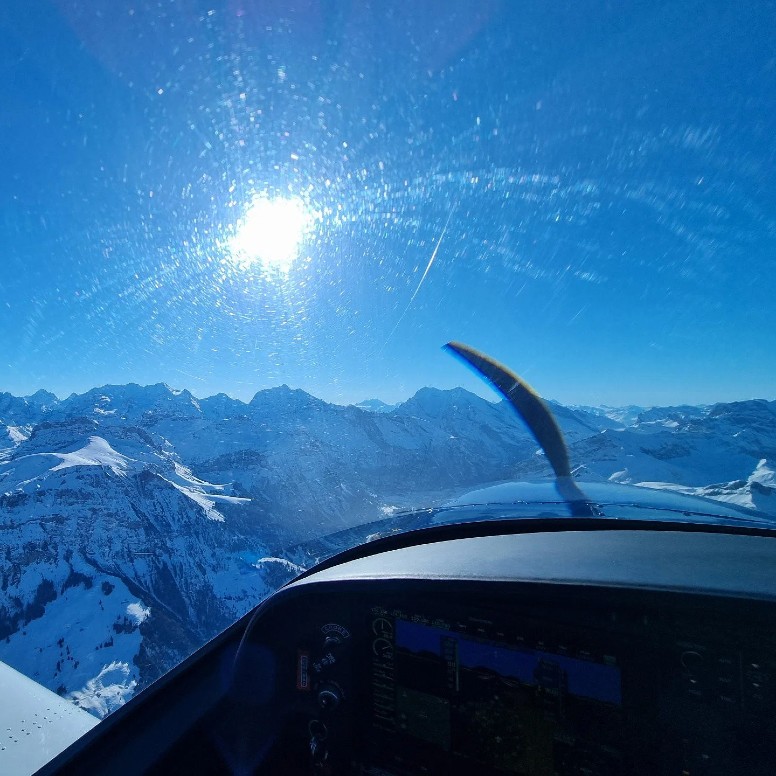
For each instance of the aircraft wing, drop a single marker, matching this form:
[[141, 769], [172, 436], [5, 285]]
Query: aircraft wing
[[35, 723]]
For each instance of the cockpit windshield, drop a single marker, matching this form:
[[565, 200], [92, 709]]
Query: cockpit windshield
[[237, 234]]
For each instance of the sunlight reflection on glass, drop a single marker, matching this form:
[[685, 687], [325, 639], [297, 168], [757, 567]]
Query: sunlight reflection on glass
[[270, 234]]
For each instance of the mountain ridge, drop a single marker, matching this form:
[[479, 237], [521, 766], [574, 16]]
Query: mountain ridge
[[46, 399]]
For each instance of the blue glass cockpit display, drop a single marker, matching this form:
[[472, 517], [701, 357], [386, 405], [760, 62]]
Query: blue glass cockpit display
[[529, 667]]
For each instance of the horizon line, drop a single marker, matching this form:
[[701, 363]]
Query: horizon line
[[178, 391]]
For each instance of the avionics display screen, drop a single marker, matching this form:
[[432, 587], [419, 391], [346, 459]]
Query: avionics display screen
[[529, 667], [511, 708]]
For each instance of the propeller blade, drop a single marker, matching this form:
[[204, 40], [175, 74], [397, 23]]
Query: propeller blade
[[536, 415]]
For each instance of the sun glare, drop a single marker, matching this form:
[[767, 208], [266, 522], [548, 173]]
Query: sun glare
[[271, 233]]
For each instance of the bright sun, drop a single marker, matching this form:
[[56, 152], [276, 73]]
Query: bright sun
[[270, 233]]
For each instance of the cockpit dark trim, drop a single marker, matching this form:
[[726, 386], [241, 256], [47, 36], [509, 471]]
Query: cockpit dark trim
[[476, 528]]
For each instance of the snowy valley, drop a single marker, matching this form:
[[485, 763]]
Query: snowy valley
[[138, 522]]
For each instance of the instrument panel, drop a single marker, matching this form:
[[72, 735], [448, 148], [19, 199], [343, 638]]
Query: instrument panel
[[408, 678]]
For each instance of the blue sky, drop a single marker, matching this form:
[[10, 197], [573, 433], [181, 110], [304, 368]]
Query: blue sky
[[601, 178]]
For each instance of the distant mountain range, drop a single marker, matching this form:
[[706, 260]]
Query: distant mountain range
[[137, 522], [375, 405]]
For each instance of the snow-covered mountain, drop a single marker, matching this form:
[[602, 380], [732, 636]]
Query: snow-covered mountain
[[375, 405], [137, 522], [722, 451]]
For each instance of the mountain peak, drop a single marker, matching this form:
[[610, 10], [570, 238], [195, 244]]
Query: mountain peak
[[282, 395], [434, 402], [42, 397]]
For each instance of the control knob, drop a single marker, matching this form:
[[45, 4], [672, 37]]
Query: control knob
[[329, 696]]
